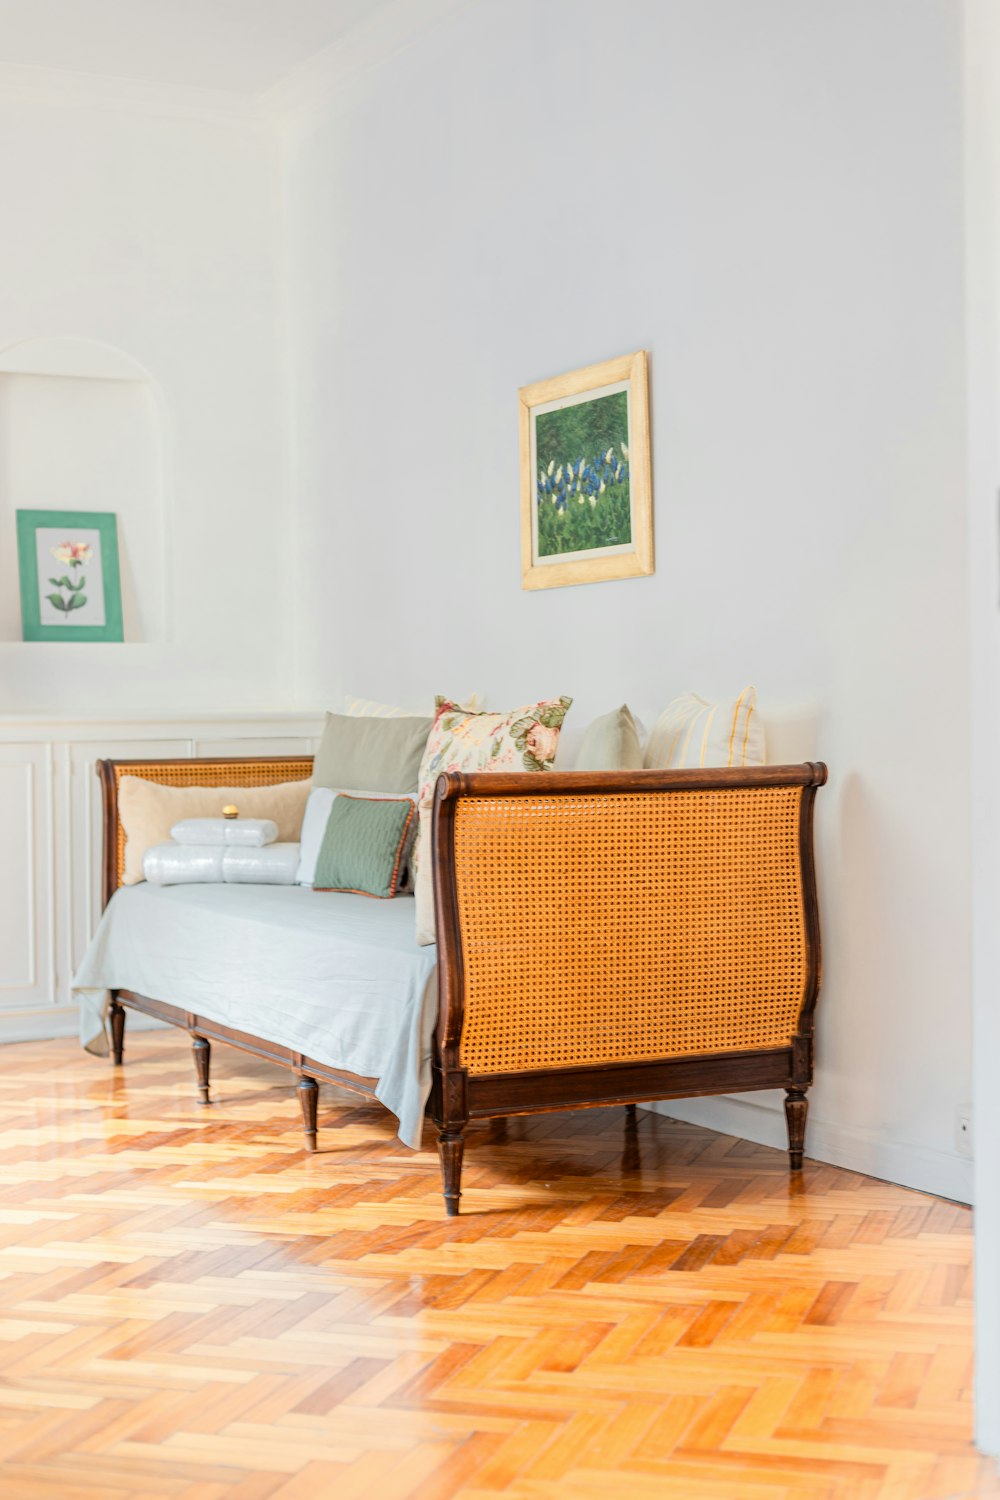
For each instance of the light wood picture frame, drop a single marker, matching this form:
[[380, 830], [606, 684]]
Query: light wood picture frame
[[586, 480]]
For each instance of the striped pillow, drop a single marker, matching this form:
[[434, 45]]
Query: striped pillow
[[691, 732]]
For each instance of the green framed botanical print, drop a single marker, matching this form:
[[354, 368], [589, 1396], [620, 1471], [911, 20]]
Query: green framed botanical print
[[70, 580]]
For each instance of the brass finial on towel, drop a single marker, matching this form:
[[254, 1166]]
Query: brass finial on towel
[[230, 811]]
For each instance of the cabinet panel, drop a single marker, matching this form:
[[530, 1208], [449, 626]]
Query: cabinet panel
[[26, 915]]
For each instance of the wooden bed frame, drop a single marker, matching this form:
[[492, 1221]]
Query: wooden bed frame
[[603, 938]]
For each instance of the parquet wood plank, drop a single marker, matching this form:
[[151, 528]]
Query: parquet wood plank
[[191, 1308], [516, 1454]]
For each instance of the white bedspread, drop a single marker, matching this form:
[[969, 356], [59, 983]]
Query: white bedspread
[[337, 976]]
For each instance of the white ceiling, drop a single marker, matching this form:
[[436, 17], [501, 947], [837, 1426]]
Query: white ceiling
[[240, 45]]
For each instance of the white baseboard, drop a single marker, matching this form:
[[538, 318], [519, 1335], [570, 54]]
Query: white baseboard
[[943, 1173], [43, 1024]]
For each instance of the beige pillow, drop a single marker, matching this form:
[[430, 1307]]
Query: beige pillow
[[367, 708], [149, 810], [611, 743]]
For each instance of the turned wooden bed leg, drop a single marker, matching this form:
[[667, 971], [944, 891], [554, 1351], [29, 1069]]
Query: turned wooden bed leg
[[796, 1109], [308, 1091], [202, 1050], [451, 1145], [631, 1160], [116, 1017]]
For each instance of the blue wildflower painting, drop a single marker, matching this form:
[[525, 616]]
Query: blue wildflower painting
[[582, 479]]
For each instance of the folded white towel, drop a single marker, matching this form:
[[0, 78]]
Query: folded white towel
[[276, 865], [246, 833], [179, 864], [173, 864]]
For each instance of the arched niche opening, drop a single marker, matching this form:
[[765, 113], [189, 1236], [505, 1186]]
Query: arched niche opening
[[81, 428]]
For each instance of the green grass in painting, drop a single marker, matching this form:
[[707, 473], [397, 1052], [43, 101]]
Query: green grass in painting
[[582, 484]]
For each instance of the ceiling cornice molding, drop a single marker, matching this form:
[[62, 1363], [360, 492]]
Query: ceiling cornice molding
[[304, 90], [314, 83], [98, 91]]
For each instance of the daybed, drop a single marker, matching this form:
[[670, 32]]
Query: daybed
[[604, 938]]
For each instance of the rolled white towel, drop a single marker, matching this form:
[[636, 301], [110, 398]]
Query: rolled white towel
[[244, 833], [276, 865], [175, 864]]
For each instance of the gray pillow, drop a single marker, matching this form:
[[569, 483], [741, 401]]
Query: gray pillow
[[370, 755], [611, 743]]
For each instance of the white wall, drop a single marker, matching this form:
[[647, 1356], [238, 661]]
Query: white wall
[[982, 59], [766, 198], [151, 230]]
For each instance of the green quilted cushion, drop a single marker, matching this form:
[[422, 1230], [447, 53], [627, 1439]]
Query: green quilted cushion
[[365, 845]]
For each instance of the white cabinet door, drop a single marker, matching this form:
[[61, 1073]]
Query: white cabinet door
[[27, 915]]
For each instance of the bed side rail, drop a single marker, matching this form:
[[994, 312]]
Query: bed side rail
[[222, 771], [588, 919]]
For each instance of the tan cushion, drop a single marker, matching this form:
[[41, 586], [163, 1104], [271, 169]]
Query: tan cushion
[[148, 811], [611, 743]]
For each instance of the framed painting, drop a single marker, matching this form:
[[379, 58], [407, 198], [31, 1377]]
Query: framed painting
[[70, 581], [586, 487]]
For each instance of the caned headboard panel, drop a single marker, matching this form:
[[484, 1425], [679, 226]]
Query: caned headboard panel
[[230, 771]]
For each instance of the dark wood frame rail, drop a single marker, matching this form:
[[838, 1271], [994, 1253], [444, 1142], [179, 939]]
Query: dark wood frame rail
[[751, 829]]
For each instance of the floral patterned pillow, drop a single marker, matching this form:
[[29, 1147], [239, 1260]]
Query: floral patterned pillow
[[524, 740]]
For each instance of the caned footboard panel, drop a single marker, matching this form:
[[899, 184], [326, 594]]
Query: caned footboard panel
[[626, 920]]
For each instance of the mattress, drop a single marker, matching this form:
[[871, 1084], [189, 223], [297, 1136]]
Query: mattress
[[337, 976]]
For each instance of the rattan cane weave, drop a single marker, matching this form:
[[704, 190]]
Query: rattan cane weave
[[629, 927], [205, 773]]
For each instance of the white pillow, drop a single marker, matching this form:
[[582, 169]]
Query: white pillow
[[692, 732], [317, 815]]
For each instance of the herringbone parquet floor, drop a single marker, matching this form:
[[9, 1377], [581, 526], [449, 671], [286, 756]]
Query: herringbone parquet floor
[[192, 1309]]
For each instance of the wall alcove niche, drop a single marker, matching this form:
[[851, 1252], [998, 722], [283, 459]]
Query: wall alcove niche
[[81, 429]]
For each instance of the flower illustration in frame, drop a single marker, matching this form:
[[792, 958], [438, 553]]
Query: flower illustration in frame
[[75, 554]]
